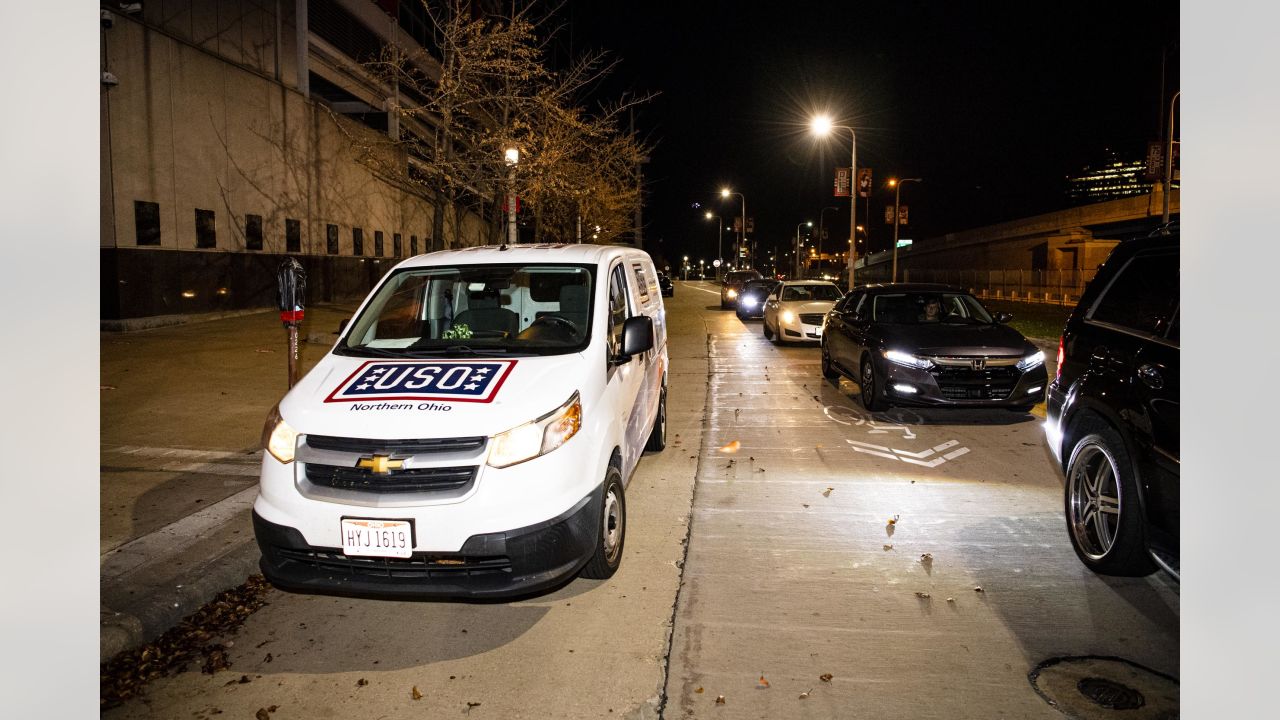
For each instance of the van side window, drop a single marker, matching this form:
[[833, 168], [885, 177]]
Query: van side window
[[617, 308], [1143, 296], [641, 282]]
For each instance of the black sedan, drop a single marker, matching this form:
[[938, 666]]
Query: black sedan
[[664, 284], [925, 344], [751, 299]]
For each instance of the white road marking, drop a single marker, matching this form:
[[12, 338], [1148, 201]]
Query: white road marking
[[915, 458], [695, 287]]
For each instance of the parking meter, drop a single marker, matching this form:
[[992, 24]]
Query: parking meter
[[291, 292]]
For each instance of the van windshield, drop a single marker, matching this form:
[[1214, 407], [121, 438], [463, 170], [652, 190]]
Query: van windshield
[[476, 310]]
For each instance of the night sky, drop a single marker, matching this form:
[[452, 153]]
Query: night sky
[[993, 104]]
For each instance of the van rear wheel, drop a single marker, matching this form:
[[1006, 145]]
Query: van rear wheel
[[611, 534]]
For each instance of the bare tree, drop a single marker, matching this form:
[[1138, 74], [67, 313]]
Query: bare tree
[[491, 89]]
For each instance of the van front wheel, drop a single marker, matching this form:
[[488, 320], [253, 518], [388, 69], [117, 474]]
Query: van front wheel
[[607, 556]]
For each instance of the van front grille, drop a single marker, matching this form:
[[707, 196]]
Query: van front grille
[[428, 479]]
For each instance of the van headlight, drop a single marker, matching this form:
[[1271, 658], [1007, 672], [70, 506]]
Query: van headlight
[[1033, 360], [907, 359], [278, 438], [538, 437]]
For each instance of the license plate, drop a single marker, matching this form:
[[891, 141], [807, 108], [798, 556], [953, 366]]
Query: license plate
[[377, 538]]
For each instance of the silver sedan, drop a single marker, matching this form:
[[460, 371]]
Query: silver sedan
[[795, 310]]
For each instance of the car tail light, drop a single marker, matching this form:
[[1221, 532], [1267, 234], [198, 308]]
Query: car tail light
[[1057, 370]]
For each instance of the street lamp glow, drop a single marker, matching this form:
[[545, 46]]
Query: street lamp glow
[[724, 192], [709, 216], [892, 182], [821, 125], [513, 155]]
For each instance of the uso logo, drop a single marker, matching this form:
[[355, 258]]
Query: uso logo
[[430, 380]]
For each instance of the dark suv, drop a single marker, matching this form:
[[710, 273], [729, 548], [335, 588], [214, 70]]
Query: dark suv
[[1112, 412], [734, 281]]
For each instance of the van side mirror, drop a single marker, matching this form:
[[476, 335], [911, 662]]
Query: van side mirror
[[637, 335]]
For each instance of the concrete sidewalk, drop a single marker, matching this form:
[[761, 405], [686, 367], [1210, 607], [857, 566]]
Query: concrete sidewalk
[[182, 409]]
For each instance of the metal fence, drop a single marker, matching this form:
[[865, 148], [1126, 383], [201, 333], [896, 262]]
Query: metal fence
[[1059, 287]]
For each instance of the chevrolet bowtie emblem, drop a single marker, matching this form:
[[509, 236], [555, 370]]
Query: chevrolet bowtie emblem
[[380, 464]]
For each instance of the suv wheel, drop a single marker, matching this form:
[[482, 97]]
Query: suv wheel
[[1104, 518], [829, 371]]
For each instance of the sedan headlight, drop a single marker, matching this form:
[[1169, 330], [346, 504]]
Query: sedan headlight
[[1033, 360], [538, 437], [907, 359], [278, 438], [748, 301], [788, 316], [732, 293]]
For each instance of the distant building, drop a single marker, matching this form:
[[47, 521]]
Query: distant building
[[1112, 178]]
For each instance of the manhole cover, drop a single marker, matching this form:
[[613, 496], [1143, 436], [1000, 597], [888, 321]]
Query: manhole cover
[[1105, 687]]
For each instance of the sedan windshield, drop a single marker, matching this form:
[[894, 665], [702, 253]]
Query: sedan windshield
[[476, 310], [810, 293], [918, 308]]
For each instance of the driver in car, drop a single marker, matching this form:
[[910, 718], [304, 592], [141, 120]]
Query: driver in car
[[932, 311]]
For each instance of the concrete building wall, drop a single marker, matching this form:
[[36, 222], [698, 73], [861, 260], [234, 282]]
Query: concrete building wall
[[199, 121]]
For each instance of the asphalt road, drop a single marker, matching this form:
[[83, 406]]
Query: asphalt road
[[792, 573]]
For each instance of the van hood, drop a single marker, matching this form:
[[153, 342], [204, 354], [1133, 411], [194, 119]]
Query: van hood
[[428, 398]]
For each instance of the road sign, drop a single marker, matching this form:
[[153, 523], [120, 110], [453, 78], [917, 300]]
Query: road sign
[[843, 181]]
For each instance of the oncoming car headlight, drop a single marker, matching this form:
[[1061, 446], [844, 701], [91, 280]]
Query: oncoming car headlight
[[278, 438], [536, 438], [1033, 360], [788, 316], [732, 293], [749, 301], [907, 359]]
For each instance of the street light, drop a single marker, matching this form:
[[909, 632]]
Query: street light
[[725, 193], [719, 240], [798, 226], [686, 268], [512, 156], [822, 126], [821, 216], [897, 192]]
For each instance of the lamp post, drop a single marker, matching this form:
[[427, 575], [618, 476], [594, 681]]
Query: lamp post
[[821, 216], [798, 226], [686, 268], [822, 126], [1168, 165], [512, 158], [719, 241], [897, 193], [742, 236]]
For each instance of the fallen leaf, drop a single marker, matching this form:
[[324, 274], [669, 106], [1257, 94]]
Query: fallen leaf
[[922, 595], [825, 677], [417, 694], [805, 694], [272, 708], [951, 600], [262, 714], [805, 504], [244, 679], [893, 520], [268, 658], [926, 558], [827, 492], [472, 704], [978, 589], [361, 682], [699, 690], [719, 699], [888, 547], [732, 447], [763, 683]]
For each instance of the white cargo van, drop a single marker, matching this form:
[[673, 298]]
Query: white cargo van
[[473, 430]]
